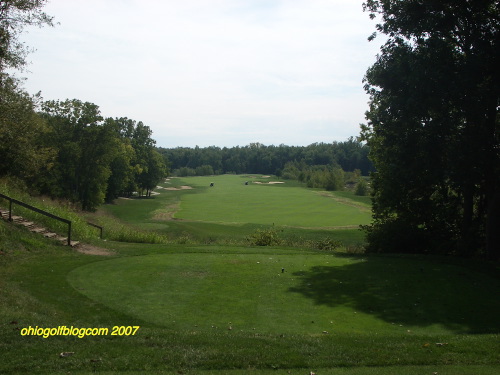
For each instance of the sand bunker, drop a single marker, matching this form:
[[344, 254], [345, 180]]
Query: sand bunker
[[183, 187], [268, 183]]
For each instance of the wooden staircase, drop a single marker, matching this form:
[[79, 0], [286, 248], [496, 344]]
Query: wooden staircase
[[32, 227]]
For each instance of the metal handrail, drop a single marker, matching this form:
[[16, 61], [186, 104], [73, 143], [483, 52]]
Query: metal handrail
[[12, 200], [96, 226]]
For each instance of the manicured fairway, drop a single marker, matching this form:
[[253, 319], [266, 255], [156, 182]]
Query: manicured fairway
[[231, 201], [315, 294]]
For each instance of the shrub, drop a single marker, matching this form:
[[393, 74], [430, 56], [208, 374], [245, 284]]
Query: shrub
[[328, 244], [265, 237], [361, 188]]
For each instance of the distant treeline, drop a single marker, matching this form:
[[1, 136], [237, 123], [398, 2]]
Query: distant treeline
[[258, 158]]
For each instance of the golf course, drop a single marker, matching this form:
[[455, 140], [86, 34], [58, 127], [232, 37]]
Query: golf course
[[180, 284]]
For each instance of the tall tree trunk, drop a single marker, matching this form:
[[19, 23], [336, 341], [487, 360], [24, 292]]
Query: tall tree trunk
[[493, 223]]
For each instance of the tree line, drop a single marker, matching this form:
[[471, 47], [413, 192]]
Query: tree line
[[434, 127], [66, 149], [258, 158]]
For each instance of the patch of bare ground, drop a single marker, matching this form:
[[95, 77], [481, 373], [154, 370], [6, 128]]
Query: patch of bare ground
[[93, 250], [167, 213]]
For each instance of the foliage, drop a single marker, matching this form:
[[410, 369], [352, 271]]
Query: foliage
[[203, 170], [96, 158], [361, 188], [22, 153], [265, 237], [328, 244], [433, 127], [258, 158], [15, 15], [328, 177]]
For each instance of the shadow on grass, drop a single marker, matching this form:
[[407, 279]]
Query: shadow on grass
[[409, 291]]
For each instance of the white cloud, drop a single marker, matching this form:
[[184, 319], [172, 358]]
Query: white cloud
[[223, 72]]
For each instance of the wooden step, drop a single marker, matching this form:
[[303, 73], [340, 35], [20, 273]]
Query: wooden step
[[31, 226], [38, 230], [27, 223]]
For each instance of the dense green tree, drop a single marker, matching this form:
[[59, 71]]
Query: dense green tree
[[153, 172], [22, 154], [84, 143], [362, 188], [433, 127], [15, 15], [97, 159], [121, 180], [149, 163]]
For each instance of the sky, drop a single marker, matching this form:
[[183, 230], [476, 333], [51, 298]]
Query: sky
[[211, 72]]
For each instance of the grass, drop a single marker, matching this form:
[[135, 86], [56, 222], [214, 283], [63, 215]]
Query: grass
[[161, 216], [382, 314], [231, 201], [176, 294], [315, 293]]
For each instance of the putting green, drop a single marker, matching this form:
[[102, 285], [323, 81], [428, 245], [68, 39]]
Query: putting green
[[231, 201], [315, 294]]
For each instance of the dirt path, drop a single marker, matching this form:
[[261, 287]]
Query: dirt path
[[93, 250]]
